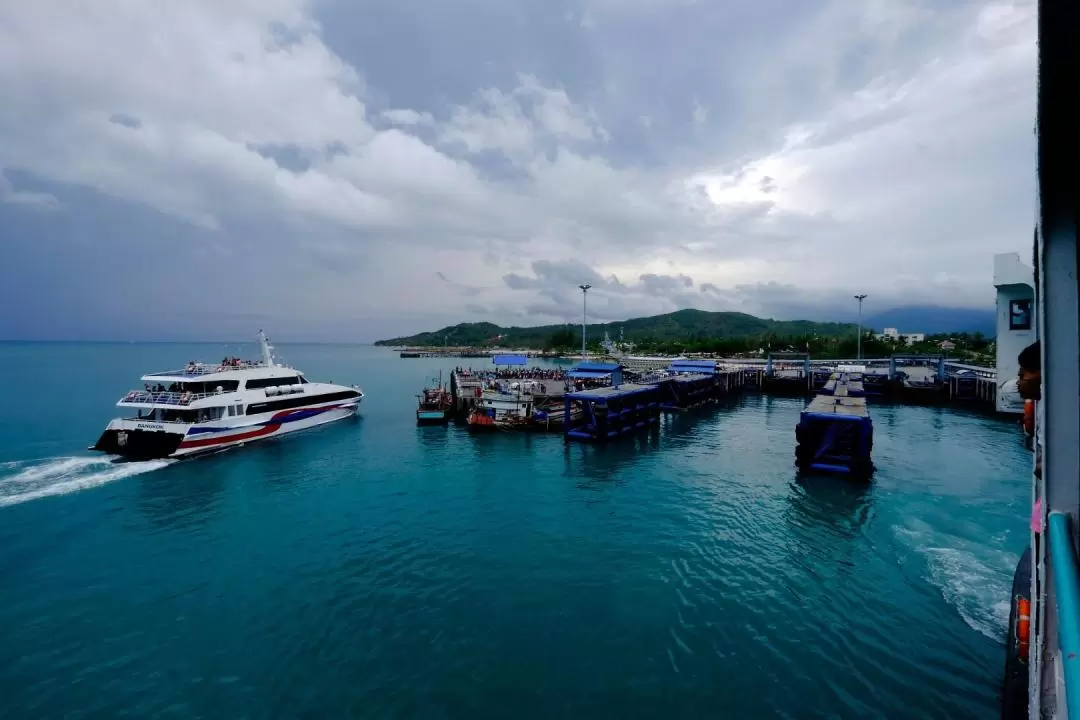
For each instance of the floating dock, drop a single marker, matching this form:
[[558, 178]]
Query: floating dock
[[835, 433], [605, 413]]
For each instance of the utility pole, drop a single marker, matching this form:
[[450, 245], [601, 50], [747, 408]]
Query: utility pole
[[858, 345], [584, 295]]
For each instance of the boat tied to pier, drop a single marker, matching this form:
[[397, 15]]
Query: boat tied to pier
[[204, 408], [505, 406], [435, 404]]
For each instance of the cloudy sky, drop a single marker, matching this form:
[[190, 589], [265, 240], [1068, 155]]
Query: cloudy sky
[[351, 169]]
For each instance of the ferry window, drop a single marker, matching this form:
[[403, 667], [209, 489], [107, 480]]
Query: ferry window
[[298, 401], [1020, 315], [271, 382], [232, 410]]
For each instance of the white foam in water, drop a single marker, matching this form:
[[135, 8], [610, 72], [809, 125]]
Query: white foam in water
[[60, 476], [975, 580], [978, 592]]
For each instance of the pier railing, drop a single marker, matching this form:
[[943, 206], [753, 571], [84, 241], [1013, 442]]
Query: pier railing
[[199, 369]]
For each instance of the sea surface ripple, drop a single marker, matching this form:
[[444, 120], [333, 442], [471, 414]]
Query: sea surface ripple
[[376, 569]]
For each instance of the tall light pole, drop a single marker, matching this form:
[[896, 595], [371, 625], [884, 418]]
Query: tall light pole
[[584, 294], [858, 342]]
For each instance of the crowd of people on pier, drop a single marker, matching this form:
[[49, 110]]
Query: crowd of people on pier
[[534, 373], [545, 379]]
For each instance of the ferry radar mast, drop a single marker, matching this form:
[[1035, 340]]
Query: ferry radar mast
[[267, 349]]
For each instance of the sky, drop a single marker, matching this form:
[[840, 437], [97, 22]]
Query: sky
[[357, 169]]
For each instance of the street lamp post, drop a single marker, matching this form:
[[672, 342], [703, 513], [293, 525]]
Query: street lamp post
[[584, 295], [858, 342]]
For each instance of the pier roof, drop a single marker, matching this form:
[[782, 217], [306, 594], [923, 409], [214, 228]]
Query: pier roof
[[594, 370], [693, 366]]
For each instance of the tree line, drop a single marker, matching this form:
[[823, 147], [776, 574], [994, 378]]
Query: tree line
[[974, 345]]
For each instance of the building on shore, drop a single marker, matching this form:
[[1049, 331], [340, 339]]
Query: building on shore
[[894, 335]]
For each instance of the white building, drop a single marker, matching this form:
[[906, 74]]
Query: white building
[[896, 336], [1016, 328]]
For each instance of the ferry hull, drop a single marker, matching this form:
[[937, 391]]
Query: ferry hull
[[137, 444], [432, 417], [125, 439]]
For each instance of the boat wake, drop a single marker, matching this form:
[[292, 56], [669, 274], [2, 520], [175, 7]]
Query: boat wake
[[34, 479], [978, 590], [974, 579]]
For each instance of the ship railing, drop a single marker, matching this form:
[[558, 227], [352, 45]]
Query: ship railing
[[199, 369], [144, 397], [1067, 591]]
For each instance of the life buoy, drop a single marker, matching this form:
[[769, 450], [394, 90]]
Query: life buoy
[[1023, 627], [1029, 417]]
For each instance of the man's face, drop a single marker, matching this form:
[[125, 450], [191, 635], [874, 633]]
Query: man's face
[[1029, 384]]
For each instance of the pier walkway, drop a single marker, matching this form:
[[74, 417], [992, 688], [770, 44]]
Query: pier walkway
[[835, 433]]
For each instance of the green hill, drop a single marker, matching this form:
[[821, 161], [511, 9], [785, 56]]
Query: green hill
[[685, 327]]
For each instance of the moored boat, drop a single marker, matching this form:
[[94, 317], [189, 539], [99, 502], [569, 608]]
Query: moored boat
[[205, 408], [506, 406], [435, 405]]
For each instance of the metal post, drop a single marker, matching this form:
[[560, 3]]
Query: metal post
[[584, 295], [858, 345]]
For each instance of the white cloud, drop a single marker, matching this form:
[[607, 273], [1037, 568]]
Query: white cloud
[[885, 132]]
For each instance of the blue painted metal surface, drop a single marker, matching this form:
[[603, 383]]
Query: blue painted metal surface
[[607, 413], [682, 392], [1067, 590]]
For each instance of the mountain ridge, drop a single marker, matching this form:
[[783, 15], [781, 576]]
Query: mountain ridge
[[692, 324], [686, 324]]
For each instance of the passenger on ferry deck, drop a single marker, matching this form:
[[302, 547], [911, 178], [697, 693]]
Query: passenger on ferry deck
[[1029, 381], [1029, 385]]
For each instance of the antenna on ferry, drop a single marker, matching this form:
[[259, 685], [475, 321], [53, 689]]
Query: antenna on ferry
[[267, 354]]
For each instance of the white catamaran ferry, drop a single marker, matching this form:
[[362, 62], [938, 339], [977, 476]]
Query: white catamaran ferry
[[205, 408]]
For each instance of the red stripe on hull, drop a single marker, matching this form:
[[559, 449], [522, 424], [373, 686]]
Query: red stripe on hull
[[207, 442], [273, 425]]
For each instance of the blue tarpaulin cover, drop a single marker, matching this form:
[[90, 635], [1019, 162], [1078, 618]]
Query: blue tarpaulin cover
[[598, 367], [509, 360], [696, 366], [575, 373]]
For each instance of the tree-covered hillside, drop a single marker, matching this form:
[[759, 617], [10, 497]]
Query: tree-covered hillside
[[683, 326]]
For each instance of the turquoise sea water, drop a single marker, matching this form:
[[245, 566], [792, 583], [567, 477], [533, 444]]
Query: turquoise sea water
[[376, 569]]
